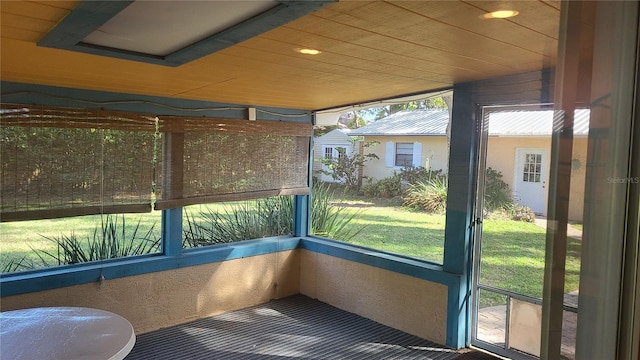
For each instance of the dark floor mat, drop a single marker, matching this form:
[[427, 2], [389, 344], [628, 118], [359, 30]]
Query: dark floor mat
[[293, 328]]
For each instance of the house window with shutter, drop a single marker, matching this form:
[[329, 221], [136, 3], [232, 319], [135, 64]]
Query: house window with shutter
[[404, 154]]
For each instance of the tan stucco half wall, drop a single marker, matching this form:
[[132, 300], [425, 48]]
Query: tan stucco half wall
[[166, 298], [407, 303], [161, 299]]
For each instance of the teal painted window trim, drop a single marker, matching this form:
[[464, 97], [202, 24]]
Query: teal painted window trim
[[421, 269], [88, 16]]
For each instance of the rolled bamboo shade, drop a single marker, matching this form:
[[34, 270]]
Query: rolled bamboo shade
[[59, 162], [233, 159]]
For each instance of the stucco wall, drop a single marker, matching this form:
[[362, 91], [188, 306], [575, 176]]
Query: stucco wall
[[501, 155], [410, 304], [156, 300], [434, 148]]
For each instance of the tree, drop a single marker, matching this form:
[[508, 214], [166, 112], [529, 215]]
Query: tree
[[384, 111], [346, 168]]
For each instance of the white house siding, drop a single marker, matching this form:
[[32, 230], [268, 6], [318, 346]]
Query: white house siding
[[501, 156], [336, 138], [434, 154]]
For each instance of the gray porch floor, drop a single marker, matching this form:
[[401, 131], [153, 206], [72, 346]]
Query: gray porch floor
[[292, 328]]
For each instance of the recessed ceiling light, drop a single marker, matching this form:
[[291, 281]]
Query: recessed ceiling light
[[500, 14], [308, 51]]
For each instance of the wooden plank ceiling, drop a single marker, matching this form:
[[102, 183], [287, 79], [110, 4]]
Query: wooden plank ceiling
[[370, 50]]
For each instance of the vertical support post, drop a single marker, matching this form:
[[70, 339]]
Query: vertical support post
[[172, 231], [301, 215], [572, 72], [172, 177], [459, 218], [610, 156]]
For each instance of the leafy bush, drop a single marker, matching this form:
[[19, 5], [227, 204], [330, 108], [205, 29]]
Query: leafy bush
[[430, 196], [110, 240], [387, 187], [522, 213], [413, 175], [345, 168], [267, 217], [496, 192]]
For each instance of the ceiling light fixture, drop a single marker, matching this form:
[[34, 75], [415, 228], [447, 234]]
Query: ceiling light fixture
[[500, 14], [308, 51]]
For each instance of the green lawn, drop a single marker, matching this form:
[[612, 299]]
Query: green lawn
[[398, 230], [19, 239]]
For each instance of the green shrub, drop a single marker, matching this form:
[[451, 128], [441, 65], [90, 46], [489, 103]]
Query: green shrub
[[496, 192], [387, 188], [413, 175], [429, 196], [110, 240], [522, 213]]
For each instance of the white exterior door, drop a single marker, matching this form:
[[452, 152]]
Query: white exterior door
[[531, 179], [331, 152]]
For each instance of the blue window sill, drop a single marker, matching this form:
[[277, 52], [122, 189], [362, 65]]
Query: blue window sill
[[62, 276]]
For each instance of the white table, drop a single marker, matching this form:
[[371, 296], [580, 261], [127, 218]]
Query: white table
[[64, 333]]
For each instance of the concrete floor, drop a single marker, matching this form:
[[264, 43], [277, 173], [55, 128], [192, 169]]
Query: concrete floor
[[491, 329]]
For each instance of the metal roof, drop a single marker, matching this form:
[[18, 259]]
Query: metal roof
[[502, 123], [533, 123], [408, 122]]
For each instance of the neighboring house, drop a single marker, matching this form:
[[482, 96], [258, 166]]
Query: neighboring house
[[519, 146], [406, 138], [327, 145]]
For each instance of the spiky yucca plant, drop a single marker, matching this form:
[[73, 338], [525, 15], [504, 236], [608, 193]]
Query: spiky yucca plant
[[110, 240], [267, 217], [430, 195]]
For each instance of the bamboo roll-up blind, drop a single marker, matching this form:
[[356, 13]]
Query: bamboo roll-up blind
[[230, 159], [58, 162], [71, 118]]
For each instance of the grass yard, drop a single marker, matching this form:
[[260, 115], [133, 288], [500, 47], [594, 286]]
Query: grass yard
[[400, 231], [513, 259], [512, 251], [18, 240]]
